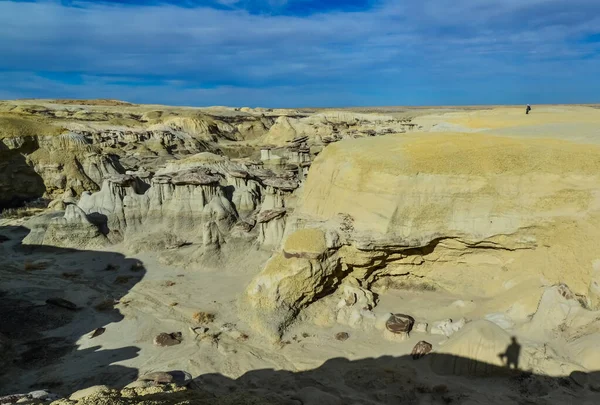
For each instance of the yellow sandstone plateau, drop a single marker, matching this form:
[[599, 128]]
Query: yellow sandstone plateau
[[475, 214]]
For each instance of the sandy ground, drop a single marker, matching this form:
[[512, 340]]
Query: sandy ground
[[64, 358]]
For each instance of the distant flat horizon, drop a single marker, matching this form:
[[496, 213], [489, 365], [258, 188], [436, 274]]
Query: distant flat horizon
[[288, 53], [89, 101]]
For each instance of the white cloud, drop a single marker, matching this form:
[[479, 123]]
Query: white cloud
[[389, 47]]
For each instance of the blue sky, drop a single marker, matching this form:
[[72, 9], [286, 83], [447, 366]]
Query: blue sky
[[294, 53]]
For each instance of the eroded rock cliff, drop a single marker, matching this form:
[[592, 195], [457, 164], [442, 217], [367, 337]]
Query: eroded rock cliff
[[471, 214]]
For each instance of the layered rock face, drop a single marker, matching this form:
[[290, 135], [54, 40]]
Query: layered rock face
[[55, 148], [472, 214], [329, 126], [207, 200]]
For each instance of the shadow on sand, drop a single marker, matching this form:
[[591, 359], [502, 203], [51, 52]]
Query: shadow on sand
[[46, 349], [432, 379], [41, 349]]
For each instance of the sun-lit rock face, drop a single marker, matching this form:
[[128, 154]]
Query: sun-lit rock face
[[472, 213]]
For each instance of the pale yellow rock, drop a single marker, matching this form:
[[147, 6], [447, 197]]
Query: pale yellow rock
[[291, 280], [306, 241], [532, 203]]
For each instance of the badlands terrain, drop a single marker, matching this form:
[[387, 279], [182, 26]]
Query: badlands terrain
[[169, 255]]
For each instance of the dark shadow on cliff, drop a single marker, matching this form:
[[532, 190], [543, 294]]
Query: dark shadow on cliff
[[49, 343], [433, 379], [19, 182]]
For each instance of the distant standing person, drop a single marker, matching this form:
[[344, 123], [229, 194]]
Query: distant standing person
[[527, 109]]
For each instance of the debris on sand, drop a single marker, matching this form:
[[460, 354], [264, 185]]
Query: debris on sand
[[97, 332], [421, 349], [61, 302], [168, 339]]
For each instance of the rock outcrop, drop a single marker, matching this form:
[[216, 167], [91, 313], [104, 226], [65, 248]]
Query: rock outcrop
[[471, 214]]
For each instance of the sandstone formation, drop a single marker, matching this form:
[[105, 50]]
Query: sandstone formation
[[55, 147], [471, 214]]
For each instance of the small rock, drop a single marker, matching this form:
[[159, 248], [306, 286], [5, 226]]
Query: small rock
[[60, 302], [447, 327], [342, 336], [400, 324], [86, 392], [421, 349], [4, 238], [420, 327], [97, 332], [43, 395], [10, 399], [168, 339], [158, 377]]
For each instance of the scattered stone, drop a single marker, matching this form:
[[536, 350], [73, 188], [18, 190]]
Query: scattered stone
[[447, 327], [86, 392], [203, 317], [398, 327], [400, 323], [61, 302], [342, 336], [158, 377], [43, 395], [421, 349], [111, 267], [420, 327], [70, 276], [169, 283], [4, 238], [97, 332], [11, 399], [168, 339]]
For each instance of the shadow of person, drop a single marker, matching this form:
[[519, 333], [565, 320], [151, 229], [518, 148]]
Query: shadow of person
[[511, 355]]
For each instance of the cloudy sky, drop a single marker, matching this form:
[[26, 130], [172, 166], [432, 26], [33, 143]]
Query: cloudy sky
[[292, 53]]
